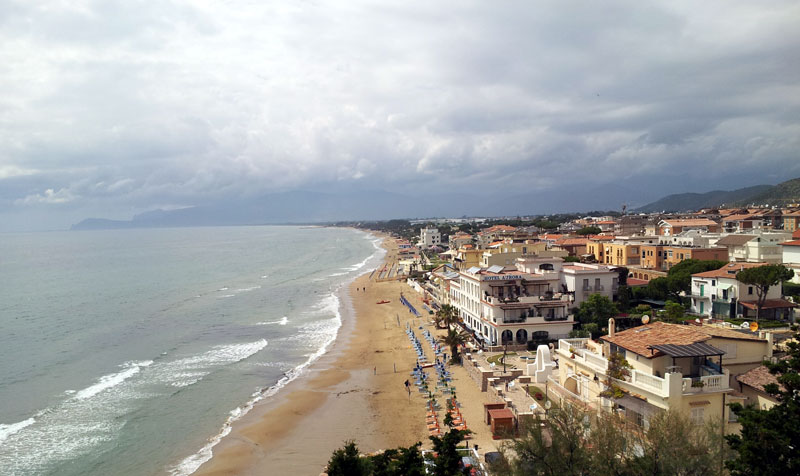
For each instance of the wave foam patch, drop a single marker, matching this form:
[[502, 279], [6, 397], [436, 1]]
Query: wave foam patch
[[6, 430], [190, 370], [107, 381], [360, 265], [247, 290], [191, 463], [282, 322]]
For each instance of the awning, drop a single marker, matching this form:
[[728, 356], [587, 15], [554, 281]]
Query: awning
[[770, 304], [698, 349], [638, 405]]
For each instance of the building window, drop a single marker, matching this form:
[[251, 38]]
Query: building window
[[750, 290], [698, 416], [713, 282]]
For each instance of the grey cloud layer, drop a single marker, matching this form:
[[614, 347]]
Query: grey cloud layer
[[123, 106]]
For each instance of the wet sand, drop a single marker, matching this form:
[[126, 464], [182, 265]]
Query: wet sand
[[354, 392]]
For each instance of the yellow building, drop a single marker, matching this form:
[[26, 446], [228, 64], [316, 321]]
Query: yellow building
[[791, 220], [677, 367], [621, 254], [467, 257]]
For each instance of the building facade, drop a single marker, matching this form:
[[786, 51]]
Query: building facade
[[674, 367], [502, 306]]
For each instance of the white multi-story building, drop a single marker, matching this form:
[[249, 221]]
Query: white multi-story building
[[528, 301], [757, 246], [500, 305], [718, 293], [584, 279], [429, 237], [791, 258]]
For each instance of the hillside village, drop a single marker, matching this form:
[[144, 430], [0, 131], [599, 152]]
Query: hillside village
[[667, 292]]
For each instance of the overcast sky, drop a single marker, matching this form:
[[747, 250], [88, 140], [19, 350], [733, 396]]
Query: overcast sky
[[112, 107]]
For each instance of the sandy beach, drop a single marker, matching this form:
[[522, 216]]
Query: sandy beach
[[354, 392]]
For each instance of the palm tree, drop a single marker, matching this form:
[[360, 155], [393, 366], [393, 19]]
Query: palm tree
[[446, 316], [454, 339]]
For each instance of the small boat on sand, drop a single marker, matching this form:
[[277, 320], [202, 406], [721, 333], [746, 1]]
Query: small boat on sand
[[383, 302]]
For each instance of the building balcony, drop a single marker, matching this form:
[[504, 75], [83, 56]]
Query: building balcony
[[516, 301], [643, 383]]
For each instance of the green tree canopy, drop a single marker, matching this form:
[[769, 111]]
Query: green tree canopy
[[453, 339], [762, 278], [572, 441], [679, 279], [446, 316], [673, 312], [347, 461], [589, 230], [769, 440], [597, 309]]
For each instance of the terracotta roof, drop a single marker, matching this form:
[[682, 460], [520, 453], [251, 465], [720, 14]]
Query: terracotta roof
[[796, 234], [498, 228], [602, 237], [573, 241], [639, 339], [739, 217], [734, 240], [758, 377], [691, 222], [726, 333], [769, 304], [727, 271], [791, 243], [637, 282]]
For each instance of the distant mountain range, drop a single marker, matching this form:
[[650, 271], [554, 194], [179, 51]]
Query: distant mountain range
[[782, 194], [301, 207], [320, 207]]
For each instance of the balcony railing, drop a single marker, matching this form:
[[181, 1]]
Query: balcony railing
[[567, 344], [656, 384], [708, 383]]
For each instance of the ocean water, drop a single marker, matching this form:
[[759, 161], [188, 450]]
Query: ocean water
[[130, 352]]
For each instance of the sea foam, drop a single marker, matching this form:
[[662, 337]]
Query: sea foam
[[6, 430], [325, 331], [107, 381]]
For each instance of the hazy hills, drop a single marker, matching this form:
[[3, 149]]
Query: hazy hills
[[780, 195], [316, 207]]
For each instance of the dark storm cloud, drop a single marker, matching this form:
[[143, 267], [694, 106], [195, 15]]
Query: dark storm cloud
[[118, 107]]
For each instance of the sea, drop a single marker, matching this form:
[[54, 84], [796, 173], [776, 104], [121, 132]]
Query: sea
[[131, 352]]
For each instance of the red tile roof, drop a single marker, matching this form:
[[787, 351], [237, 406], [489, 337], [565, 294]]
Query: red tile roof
[[691, 222], [769, 304], [791, 243], [640, 339], [758, 377], [727, 271], [740, 217], [498, 228], [572, 241]]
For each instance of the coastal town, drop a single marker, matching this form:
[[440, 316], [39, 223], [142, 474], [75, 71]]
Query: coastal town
[[633, 315]]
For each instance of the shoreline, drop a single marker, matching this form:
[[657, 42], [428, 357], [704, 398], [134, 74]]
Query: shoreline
[[343, 395]]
